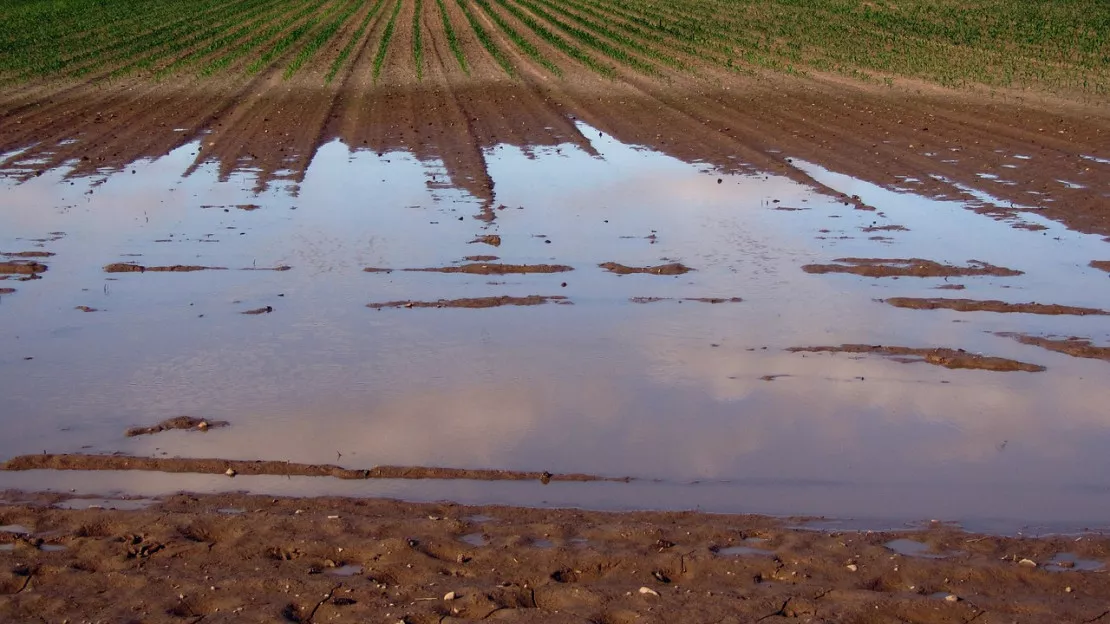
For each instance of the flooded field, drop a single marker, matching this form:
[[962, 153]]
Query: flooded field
[[789, 342]]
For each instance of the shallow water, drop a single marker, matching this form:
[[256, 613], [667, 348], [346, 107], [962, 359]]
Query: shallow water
[[702, 397]]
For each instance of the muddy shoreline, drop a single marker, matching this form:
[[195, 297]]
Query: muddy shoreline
[[237, 557]]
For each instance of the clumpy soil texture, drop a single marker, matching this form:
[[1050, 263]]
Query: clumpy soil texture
[[239, 558], [970, 305], [125, 267], [672, 268], [912, 267], [473, 302], [239, 467], [179, 422], [948, 358], [1073, 346]]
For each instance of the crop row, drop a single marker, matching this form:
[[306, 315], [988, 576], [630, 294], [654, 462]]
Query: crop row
[[1063, 45]]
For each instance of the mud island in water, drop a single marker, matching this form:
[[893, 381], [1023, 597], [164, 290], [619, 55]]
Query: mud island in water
[[252, 195]]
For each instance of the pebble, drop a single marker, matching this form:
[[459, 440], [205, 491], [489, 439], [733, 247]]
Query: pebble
[[449, 596], [647, 591], [852, 567], [1029, 563], [231, 472], [951, 598]]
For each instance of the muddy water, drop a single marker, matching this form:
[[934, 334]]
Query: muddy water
[[700, 402]]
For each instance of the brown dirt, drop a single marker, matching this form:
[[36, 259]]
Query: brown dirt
[[6, 291], [27, 254], [1102, 265], [21, 267], [697, 299], [240, 558], [127, 267], [494, 240], [673, 268], [179, 422], [991, 305], [948, 358], [481, 258], [473, 302], [1073, 346], [497, 269], [907, 267], [950, 287], [85, 308], [70, 461]]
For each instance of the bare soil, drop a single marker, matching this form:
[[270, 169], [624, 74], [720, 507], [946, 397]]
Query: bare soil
[[497, 269], [179, 422], [907, 267], [27, 254], [74, 461], [948, 358], [473, 302], [673, 268], [680, 300], [1073, 346], [127, 267], [21, 267], [991, 305], [1102, 265], [241, 558]]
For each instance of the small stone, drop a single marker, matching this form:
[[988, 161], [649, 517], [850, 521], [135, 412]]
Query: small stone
[[647, 591], [852, 567], [449, 596], [1067, 590], [231, 472], [1028, 563], [951, 598], [202, 425]]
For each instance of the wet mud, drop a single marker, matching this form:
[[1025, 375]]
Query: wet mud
[[1073, 346], [474, 302], [1102, 265], [187, 423], [681, 299], [948, 358], [127, 267], [971, 305], [21, 267], [189, 558], [280, 468], [497, 269], [672, 268], [908, 267]]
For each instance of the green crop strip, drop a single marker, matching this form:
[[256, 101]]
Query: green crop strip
[[250, 23], [520, 42], [556, 40], [247, 46], [322, 37], [418, 41], [346, 52], [486, 41], [625, 39], [290, 38], [387, 34], [452, 40]]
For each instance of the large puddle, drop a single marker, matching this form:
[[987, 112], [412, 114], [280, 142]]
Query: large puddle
[[665, 378]]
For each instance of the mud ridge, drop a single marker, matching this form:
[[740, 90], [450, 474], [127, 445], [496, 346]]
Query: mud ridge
[[713, 300], [908, 267], [496, 269], [948, 358], [474, 302], [1073, 346], [989, 305], [232, 467], [673, 268], [21, 267], [178, 422], [127, 267]]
